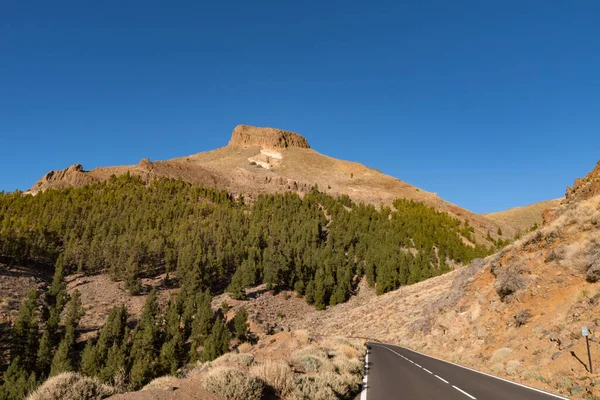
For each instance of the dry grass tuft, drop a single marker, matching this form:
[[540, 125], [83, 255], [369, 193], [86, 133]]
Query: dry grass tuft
[[161, 383], [302, 336], [244, 347], [312, 388], [233, 383], [72, 386], [277, 374], [243, 359]]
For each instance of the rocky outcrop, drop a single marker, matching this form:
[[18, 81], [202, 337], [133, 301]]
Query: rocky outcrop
[[584, 188], [72, 176], [251, 136]]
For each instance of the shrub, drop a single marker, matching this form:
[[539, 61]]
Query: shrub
[[244, 347], [509, 280], [302, 336], [593, 272], [522, 318], [233, 384], [342, 384], [351, 366], [72, 386], [242, 359], [277, 374], [312, 388], [310, 363], [160, 383]]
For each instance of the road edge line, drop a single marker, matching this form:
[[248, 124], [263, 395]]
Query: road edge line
[[363, 393], [486, 374]]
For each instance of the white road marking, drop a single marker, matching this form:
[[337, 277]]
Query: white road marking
[[441, 379], [463, 392], [418, 365], [426, 370], [491, 376], [363, 395]]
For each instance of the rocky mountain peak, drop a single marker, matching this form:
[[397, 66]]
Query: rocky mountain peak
[[252, 136]]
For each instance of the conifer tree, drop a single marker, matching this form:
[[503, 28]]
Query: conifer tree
[[217, 342], [18, 382], [202, 322], [145, 343], [25, 334], [65, 357], [240, 322]]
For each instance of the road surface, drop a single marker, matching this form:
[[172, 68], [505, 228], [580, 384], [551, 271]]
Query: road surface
[[398, 373]]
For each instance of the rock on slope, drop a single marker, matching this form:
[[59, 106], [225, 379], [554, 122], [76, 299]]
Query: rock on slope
[[268, 160]]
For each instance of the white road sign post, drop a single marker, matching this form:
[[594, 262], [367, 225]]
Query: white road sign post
[[585, 332]]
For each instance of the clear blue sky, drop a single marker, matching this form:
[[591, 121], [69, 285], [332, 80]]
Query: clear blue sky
[[490, 104]]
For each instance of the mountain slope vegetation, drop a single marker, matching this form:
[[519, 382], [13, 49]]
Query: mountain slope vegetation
[[316, 245]]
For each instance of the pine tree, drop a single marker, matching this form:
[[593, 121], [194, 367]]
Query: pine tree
[[240, 322], [62, 361], [115, 362], [171, 354], [90, 360], [18, 382], [45, 354], [65, 357], [217, 343], [145, 343], [25, 334], [202, 322]]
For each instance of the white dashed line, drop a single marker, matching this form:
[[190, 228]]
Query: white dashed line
[[441, 379], [426, 370], [463, 392], [418, 365]]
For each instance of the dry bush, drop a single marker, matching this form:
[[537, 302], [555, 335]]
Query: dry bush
[[343, 384], [313, 359], [312, 388], [310, 363], [302, 336], [349, 351], [522, 318], [583, 256], [510, 280], [233, 384], [160, 383], [72, 386], [313, 351], [244, 347], [351, 366], [344, 347], [243, 359], [277, 374]]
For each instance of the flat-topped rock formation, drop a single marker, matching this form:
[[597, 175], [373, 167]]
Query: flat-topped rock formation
[[252, 136]]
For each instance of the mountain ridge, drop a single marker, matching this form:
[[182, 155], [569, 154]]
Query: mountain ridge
[[270, 160]]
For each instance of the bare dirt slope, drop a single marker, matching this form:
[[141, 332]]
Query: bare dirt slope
[[268, 160], [523, 218]]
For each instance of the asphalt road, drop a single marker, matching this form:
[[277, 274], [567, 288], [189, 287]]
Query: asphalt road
[[398, 373]]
